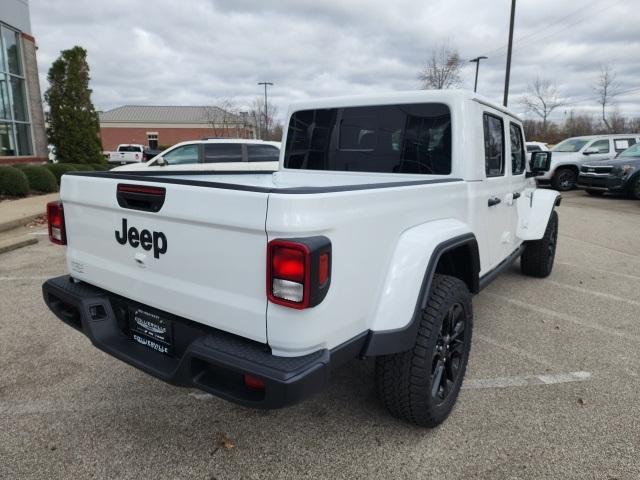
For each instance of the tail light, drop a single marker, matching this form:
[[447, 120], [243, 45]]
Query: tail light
[[298, 271], [55, 219]]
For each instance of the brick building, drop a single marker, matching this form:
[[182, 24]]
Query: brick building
[[156, 126], [22, 131]]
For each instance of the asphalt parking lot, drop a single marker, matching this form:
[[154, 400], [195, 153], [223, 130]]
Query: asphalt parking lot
[[551, 391]]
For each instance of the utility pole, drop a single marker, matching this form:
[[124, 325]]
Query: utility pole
[[508, 73], [477, 62], [266, 109]]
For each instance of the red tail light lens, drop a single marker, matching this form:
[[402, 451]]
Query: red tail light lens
[[254, 383], [298, 271], [55, 220]]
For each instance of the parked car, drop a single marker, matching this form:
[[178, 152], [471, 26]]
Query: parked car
[[618, 175], [214, 154], [387, 213], [570, 154], [127, 153], [536, 147]]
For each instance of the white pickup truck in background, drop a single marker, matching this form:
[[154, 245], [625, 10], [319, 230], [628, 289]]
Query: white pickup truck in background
[[128, 153], [386, 215]]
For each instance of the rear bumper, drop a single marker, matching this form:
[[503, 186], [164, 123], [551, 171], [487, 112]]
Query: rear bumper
[[603, 183], [204, 358]]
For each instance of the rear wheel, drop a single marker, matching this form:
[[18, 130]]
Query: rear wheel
[[564, 179], [539, 255], [595, 193], [635, 188], [422, 384]]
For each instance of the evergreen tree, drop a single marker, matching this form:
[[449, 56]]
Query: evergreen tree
[[73, 122]]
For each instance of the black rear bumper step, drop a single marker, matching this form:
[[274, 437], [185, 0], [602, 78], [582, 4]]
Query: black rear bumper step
[[204, 358]]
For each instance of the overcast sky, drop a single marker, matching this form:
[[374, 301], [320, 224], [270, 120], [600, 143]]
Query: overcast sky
[[192, 52]]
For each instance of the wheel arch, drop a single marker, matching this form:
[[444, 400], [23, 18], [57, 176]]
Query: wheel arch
[[420, 254]]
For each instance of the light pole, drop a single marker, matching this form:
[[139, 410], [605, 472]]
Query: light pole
[[266, 112], [477, 62], [508, 72]]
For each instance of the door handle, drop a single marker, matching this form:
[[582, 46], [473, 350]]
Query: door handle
[[494, 201]]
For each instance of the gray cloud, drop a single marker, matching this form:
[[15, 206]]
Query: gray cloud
[[194, 51]]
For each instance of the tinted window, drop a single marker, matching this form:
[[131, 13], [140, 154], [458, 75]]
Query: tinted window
[[414, 138], [517, 152], [632, 151], [493, 145], [533, 148], [222, 152], [129, 148], [621, 144], [182, 155], [570, 145], [601, 145], [262, 153]]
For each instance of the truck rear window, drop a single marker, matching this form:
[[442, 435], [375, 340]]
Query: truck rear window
[[129, 148], [413, 138]]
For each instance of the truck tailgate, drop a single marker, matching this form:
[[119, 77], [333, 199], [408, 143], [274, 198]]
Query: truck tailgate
[[213, 266]]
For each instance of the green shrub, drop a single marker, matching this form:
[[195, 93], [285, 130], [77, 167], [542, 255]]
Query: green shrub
[[83, 167], [21, 166], [101, 167], [40, 179], [59, 169], [13, 182]]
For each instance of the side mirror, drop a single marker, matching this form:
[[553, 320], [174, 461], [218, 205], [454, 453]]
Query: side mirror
[[161, 162], [590, 151], [540, 163]]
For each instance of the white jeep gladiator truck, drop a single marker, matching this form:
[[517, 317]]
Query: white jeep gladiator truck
[[386, 215]]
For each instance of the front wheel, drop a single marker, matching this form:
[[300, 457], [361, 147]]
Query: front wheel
[[422, 384], [564, 179], [539, 255], [635, 188]]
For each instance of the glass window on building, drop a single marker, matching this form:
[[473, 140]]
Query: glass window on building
[[15, 129]]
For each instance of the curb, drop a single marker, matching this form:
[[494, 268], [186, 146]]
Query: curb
[[19, 222], [15, 243]]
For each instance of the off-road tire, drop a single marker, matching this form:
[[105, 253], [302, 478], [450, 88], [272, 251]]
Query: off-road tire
[[595, 193], [634, 190], [405, 381], [539, 255], [564, 179]]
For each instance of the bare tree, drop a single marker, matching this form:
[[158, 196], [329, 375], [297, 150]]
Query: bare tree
[[223, 117], [442, 69], [263, 120], [541, 98], [607, 89]]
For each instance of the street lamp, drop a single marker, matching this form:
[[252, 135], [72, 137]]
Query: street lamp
[[266, 118], [477, 62]]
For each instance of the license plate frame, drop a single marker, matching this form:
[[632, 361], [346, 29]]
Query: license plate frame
[[151, 329]]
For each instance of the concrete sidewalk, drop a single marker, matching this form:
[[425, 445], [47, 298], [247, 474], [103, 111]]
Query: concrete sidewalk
[[17, 213]]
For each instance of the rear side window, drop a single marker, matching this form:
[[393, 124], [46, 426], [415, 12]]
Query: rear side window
[[601, 145], [262, 153], [517, 150], [413, 138], [493, 145], [621, 144], [222, 152], [533, 148]]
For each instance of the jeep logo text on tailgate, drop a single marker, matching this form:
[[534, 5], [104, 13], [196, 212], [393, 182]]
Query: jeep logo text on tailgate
[[144, 238]]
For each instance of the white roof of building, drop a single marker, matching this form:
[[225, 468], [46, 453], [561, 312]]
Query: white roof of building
[[167, 114]]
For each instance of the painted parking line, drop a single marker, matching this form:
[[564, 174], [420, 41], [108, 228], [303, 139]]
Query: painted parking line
[[526, 380], [595, 293], [599, 270], [12, 279], [39, 233]]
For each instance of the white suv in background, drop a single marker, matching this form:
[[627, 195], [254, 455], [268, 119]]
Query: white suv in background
[[214, 155], [573, 152]]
